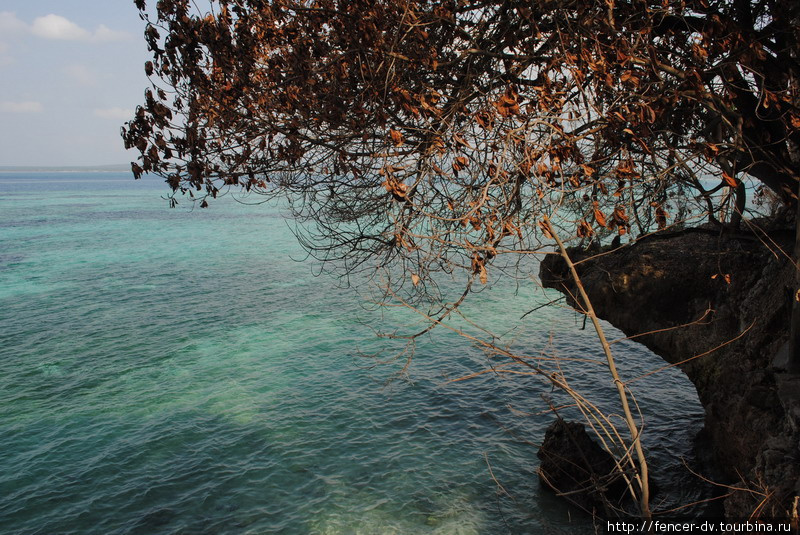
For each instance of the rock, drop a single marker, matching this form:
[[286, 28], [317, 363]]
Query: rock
[[577, 468], [718, 305]]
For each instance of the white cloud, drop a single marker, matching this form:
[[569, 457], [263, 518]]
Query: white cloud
[[60, 28], [105, 34], [9, 23], [57, 27], [81, 75], [28, 106], [5, 59], [120, 114]]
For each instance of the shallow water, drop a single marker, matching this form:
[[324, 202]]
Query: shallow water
[[178, 371]]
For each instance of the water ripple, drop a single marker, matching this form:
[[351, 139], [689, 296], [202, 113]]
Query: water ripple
[[175, 372]]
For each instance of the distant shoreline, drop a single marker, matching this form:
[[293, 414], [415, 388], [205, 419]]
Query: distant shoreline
[[64, 169]]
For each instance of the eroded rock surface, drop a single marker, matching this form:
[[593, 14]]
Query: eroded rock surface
[[717, 303]]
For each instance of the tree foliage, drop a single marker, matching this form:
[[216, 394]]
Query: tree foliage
[[437, 134]]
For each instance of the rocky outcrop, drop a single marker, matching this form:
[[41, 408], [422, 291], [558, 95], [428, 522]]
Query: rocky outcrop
[[717, 303], [577, 468]]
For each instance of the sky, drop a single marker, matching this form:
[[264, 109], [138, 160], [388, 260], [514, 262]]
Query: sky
[[71, 73]]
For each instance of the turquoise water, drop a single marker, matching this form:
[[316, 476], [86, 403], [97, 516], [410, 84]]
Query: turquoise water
[[180, 372]]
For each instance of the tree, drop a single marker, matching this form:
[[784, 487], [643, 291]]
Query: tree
[[407, 128], [424, 137]]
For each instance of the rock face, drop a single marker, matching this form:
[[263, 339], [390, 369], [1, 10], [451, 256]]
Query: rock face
[[717, 304]]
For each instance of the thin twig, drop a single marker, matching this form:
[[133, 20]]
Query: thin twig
[[491, 473], [642, 475]]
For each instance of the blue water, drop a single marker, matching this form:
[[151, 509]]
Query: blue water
[[180, 372]]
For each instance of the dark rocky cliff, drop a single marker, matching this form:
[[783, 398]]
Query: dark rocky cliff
[[734, 289]]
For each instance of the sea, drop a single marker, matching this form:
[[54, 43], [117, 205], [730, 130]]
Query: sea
[[191, 371]]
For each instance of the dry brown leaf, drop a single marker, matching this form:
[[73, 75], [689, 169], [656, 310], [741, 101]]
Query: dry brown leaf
[[545, 229], [458, 138], [599, 217], [397, 137], [460, 163], [729, 180], [661, 217], [619, 216]]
